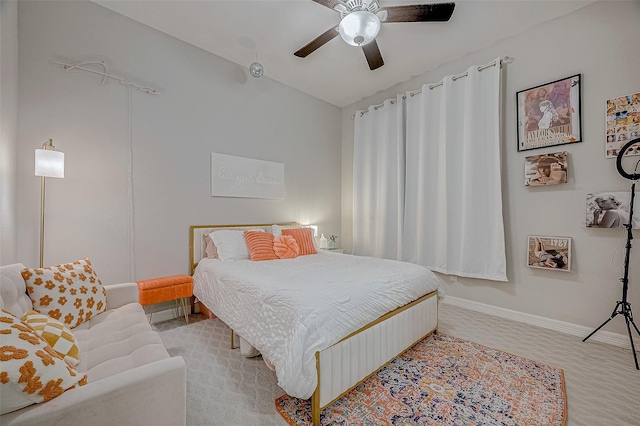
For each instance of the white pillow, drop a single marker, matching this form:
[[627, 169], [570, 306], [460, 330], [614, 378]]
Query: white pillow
[[276, 230], [231, 244]]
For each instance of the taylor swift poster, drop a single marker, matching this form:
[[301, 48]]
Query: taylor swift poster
[[549, 253], [611, 210], [549, 114], [548, 169]]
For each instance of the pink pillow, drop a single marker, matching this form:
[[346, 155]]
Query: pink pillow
[[210, 249], [286, 247], [260, 245], [304, 238]]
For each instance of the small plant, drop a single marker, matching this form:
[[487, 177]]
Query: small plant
[[333, 238]]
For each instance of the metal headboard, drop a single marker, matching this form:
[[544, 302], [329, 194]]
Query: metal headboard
[[197, 232]]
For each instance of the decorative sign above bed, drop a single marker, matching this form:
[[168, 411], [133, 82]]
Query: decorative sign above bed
[[233, 176]]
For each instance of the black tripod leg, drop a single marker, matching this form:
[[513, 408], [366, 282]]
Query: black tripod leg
[[633, 348], [613, 314]]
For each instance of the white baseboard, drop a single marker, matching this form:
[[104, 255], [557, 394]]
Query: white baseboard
[[615, 339], [621, 340]]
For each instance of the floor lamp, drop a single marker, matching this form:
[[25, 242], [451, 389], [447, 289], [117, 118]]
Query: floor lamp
[[49, 163]]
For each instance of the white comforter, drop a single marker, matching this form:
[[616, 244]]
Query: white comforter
[[290, 308]]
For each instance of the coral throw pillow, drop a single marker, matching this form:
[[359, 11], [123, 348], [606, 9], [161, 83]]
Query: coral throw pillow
[[304, 238], [260, 245], [286, 247], [30, 370], [72, 293], [56, 334]]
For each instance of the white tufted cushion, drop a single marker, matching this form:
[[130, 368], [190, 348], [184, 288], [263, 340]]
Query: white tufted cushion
[[117, 340], [13, 290]]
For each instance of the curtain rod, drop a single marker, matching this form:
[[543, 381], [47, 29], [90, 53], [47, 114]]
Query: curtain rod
[[104, 74], [505, 60]]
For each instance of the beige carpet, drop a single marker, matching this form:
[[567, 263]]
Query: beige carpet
[[226, 389]]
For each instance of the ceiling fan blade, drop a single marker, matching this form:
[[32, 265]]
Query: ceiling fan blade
[[372, 53], [317, 43], [328, 3], [438, 12]]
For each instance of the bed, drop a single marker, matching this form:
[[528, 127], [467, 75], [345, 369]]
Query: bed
[[325, 321]]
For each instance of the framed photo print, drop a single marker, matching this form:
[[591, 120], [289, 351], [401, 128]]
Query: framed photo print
[[622, 124], [549, 114], [549, 253], [548, 169], [610, 210]]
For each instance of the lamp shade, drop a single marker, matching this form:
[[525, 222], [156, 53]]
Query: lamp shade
[[49, 163], [359, 28]]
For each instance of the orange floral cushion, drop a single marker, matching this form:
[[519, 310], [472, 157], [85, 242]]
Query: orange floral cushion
[[286, 247], [304, 238], [260, 245], [30, 370], [72, 293]]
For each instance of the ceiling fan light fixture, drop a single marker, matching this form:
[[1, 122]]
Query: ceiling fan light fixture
[[359, 28]]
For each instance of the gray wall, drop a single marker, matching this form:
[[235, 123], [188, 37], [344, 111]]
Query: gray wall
[[599, 41], [8, 129], [206, 104]]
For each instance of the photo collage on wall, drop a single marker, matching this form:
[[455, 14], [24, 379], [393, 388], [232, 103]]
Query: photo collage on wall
[[550, 115], [622, 124]]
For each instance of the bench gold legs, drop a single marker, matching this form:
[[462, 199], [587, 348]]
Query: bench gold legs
[[233, 343]]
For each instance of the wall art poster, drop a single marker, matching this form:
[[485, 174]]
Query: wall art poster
[[547, 169], [611, 210], [549, 114], [549, 253], [233, 176], [622, 124]]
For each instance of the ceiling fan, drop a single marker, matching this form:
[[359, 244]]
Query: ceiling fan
[[360, 22]]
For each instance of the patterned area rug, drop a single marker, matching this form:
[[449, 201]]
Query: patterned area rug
[[444, 380]]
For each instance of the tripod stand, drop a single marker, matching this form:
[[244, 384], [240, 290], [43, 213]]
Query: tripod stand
[[623, 307]]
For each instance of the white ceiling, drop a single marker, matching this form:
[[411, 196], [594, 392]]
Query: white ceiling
[[337, 73]]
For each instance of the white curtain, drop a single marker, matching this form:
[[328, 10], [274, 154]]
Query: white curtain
[[427, 181], [453, 204], [378, 180]]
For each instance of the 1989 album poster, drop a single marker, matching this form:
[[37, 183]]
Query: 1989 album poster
[[549, 252]]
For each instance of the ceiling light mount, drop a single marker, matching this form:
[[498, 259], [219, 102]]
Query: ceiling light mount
[[356, 5]]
